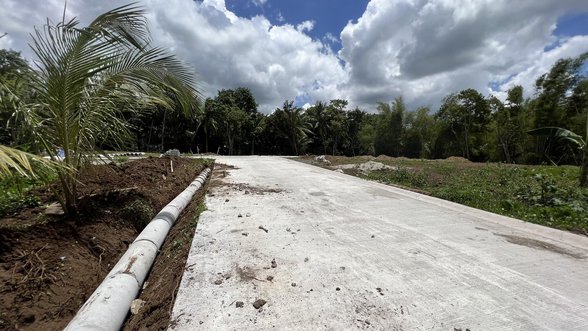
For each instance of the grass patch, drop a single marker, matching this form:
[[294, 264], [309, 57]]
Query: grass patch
[[15, 193]]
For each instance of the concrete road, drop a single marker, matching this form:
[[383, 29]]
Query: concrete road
[[351, 254]]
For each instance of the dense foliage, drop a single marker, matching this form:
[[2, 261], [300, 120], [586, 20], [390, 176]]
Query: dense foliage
[[467, 124]]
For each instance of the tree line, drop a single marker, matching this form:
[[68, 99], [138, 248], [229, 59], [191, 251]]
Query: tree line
[[545, 128]]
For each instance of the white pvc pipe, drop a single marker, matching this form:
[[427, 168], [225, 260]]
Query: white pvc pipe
[[108, 306]]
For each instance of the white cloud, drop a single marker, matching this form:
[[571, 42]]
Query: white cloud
[[275, 62], [424, 50], [420, 49], [305, 26], [571, 47], [330, 38]]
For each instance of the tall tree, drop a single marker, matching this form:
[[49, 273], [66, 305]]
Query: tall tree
[[556, 106], [233, 120], [15, 79], [467, 115], [553, 89], [355, 119], [420, 133], [293, 127], [236, 108], [319, 125], [337, 124], [510, 123], [389, 129], [209, 121]]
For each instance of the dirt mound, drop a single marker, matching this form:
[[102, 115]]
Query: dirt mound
[[458, 159], [49, 266], [383, 157]]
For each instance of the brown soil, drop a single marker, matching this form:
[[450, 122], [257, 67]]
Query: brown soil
[[49, 266], [161, 286], [458, 159]]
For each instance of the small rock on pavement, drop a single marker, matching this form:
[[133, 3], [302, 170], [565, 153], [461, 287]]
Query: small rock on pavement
[[218, 282], [136, 306], [270, 278], [274, 264], [293, 284], [259, 303], [239, 215], [239, 304]]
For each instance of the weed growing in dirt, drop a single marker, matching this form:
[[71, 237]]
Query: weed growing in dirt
[[14, 193], [188, 233], [139, 212], [120, 159]]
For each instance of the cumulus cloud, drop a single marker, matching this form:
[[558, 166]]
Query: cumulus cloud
[[305, 26], [427, 49], [276, 62], [420, 49]]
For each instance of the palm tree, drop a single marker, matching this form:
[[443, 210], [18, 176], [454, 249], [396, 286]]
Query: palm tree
[[86, 77], [320, 123], [296, 127], [208, 121]]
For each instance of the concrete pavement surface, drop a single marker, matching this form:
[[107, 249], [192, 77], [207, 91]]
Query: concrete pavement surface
[[289, 246]]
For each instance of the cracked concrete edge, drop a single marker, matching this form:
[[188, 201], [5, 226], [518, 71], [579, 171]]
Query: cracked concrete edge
[[108, 306], [518, 226]]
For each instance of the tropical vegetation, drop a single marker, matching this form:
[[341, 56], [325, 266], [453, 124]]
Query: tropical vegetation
[[88, 85]]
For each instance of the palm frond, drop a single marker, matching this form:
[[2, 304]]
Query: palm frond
[[25, 164]]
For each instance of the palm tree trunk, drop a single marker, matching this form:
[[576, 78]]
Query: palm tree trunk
[[584, 170], [467, 145], [206, 139], [163, 131], [150, 132]]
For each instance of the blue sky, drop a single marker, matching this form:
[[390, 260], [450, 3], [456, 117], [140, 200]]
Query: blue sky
[[329, 16], [359, 50], [569, 25], [572, 24]]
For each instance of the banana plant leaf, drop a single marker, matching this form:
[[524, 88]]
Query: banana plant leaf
[[559, 134]]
